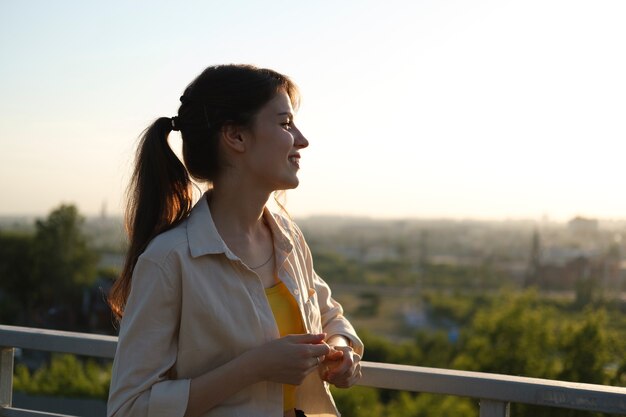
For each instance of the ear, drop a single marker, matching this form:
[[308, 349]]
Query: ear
[[234, 138]]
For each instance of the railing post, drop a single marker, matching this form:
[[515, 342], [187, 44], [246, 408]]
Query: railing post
[[489, 408], [6, 376]]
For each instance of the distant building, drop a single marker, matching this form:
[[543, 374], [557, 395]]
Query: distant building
[[567, 268], [582, 226]]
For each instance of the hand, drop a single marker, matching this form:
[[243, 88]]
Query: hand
[[341, 367], [290, 359]]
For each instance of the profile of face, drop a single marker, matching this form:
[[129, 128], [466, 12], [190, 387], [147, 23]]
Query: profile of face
[[273, 143]]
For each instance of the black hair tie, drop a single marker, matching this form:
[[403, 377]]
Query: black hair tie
[[175, 124]]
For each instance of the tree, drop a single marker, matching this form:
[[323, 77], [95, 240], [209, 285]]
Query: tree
[[64, 264], [358, 402], [586, 350], [18, 280], [515, 336], [67, 376]]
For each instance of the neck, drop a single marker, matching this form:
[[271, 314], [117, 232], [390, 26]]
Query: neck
[[237, 210]]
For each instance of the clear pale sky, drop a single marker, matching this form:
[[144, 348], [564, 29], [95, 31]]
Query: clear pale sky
[[484, 109]]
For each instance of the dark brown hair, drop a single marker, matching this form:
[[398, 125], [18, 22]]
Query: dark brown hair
[[160, 193]]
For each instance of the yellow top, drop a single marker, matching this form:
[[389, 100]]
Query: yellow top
[[288, 319]]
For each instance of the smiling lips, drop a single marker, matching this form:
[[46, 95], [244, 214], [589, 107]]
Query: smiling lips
[[295, 159]]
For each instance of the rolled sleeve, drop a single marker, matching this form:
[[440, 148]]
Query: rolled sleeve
[[142, 382], [333, 320], [169, 398]]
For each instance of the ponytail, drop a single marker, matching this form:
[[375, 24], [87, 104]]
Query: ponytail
[[159, 197]]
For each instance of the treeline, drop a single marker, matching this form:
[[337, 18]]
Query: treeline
[[508, 333], [336, 268], [65, 376], [46, 273]]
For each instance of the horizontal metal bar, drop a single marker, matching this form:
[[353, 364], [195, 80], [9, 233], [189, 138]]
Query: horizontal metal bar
[[19, 412], [505, 388], [58, 341]]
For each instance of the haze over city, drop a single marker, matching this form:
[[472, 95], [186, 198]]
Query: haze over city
[[482, 109]]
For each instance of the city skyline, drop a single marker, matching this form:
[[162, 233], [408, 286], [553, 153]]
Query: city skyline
[[488, 110]]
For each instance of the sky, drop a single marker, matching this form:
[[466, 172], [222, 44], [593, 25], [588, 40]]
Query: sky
[[433, 109]]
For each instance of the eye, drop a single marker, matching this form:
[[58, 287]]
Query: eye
[[287, 125]]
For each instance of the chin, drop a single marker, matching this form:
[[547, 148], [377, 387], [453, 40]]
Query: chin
[[289, 185]]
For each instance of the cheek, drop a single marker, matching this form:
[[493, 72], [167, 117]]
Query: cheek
[[288, 141], [282, 144]]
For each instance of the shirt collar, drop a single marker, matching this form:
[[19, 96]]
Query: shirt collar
[[201, 231], [204, 238]]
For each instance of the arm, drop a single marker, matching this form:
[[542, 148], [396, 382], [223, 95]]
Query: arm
[[341, 367], [147, 348]]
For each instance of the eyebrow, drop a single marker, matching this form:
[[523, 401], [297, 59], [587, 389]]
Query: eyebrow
[[285, 113]]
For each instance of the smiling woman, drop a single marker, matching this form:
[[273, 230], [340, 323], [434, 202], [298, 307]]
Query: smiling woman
[[221, 310]]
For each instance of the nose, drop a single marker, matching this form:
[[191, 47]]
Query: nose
[[299, 141]]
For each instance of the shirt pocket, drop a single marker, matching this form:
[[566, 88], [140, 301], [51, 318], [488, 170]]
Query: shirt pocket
[[312, 312]]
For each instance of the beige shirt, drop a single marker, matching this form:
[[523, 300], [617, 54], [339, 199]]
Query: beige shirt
[[194, 305]]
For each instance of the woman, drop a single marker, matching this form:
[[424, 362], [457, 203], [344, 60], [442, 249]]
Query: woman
[[222, 312]]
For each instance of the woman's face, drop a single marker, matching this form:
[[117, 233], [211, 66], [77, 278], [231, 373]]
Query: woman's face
[[273, 158]]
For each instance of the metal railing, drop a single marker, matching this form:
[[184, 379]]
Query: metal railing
[[494, 391]]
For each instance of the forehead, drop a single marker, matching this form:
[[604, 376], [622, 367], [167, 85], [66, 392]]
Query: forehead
[[281, 103]]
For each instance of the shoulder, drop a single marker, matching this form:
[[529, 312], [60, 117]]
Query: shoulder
[[159, 266], [162, 248]]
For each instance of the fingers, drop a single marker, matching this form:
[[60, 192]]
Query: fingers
[[313, 344], [348, 360], [351, 380], [346, 363], [312, 348], [319, 350], [347, 372], [334, 354], [316, 361]]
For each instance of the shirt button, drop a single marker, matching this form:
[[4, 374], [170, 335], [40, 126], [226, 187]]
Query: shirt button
[[296, 292]]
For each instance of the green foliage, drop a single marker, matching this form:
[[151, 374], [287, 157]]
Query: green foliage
[[390, 271], [429, 405], [358, 402], [467, 277], [516, 336], [18, 280], [336, 268], [379, 349], [507, 333], [64, 263], [65, 376], [370, 304], [366, 402], [437, 349], [50, 268], [585, 348], [455, 307]]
